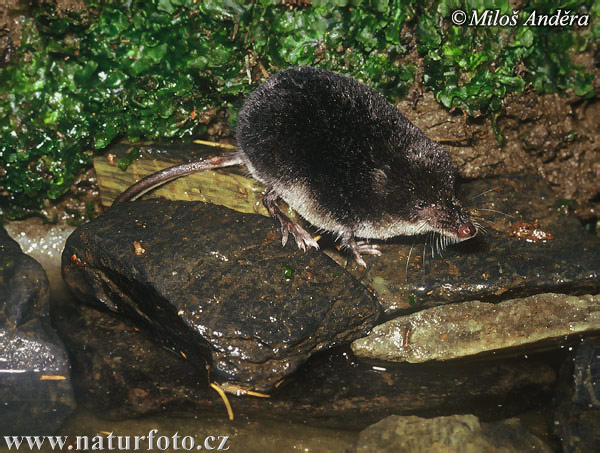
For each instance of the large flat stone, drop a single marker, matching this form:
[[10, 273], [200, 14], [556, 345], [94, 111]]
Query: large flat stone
[[494, 265], [471, 328], [217, 287], [453, 434]]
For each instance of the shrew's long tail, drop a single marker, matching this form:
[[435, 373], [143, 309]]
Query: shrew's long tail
[[169, 174]]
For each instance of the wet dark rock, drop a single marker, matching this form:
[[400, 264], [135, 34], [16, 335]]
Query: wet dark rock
[[345, 386], [119, 373], [587, 375], [217, 287], [577, 415], [456, 433], [493, 266], [452, 331], [35, 386], [118, 369]]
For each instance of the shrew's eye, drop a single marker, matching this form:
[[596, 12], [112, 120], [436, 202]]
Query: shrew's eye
[[421, 204]]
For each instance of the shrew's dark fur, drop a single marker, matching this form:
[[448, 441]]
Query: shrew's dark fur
[[353, 151]]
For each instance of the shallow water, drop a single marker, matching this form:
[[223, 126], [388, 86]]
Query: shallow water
[[177, 432], [44, 242]]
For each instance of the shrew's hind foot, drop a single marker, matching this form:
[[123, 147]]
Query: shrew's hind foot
[[303, 239], [359, 248]]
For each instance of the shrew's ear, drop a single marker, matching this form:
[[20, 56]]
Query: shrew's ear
[[379, 180]]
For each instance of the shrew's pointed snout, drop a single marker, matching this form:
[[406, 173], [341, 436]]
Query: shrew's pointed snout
[[466, 231]]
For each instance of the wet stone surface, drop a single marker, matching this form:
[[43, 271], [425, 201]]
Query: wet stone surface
[[498, 264], [456, 433], [35, 386], [586, 375], [577, 413], [118, 369], [119, 372], [495, 265], [217, 287], [465, 329]]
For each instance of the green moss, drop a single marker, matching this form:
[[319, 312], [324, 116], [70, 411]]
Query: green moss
[[474, 68], [138, 70], [288, 272], [412, 300], [132, 155]]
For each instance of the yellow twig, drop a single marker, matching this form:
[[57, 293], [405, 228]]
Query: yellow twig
[[215, 144], [221, 393], [51, 377], [260, 395]]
